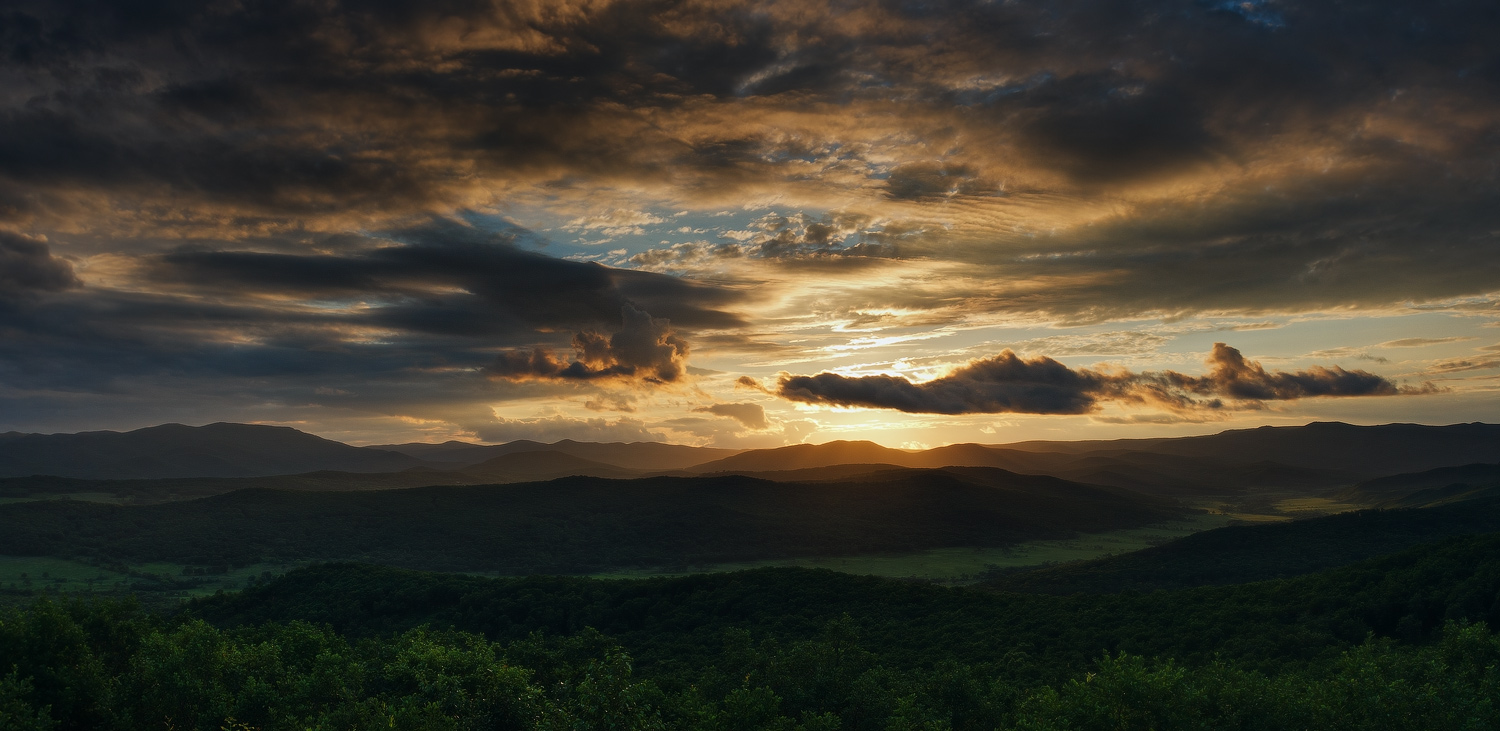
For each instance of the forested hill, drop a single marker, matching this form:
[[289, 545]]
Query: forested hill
[[1445, 484], [580, 524], [1255, 552], [680, 622], [771, 650]]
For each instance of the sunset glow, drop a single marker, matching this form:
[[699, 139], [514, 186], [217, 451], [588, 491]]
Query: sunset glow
[[748, 224]]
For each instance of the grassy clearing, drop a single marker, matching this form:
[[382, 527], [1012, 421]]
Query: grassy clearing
[[88, 497], [1310, 506], [27, 574], [966, 565], [170, 582]]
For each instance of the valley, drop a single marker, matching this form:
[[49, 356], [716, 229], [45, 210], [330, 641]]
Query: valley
[[1204, 564]]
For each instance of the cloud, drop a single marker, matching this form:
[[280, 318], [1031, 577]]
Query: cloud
[[617, 222], [1002, 384], [235, 184], [395, 323], [920, 180], [752, 416], [27, 265], [644, 349], [1459, 365], [1266, 325], [800, 237], [1348, 352], [1421, 342], [1008, 383], [1255, 155], [1233, 376], [446, 276], [1124, 342]]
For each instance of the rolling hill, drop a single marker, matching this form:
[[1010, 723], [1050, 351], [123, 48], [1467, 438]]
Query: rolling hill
[[1150, 472], [1370, 451], [514, 467], [806, 456], [1445, 484], [641, 456], [541, 465], [668, 622], [582, 524], [1243, 553], [174, 450]]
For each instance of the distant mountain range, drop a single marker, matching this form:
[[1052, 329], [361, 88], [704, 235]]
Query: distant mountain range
[[1331, 445], [174, 450], [223, 457], [643, 456], [251, 450], [240, 493], [1318, 454]]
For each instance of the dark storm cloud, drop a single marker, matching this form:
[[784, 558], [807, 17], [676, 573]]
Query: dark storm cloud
[[1008, 383], [27, 265], [412, 317], [1070, 161], [341, 96], [1234, 377], [920, 180], [1306, 245], [1003, 384], [1096, 132], [644, 348], [500, 287]]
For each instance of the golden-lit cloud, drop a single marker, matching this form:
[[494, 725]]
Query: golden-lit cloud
[[246, 203], [1008, 383], [643, 349]]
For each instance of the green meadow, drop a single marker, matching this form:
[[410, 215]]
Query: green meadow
[[967, 565]]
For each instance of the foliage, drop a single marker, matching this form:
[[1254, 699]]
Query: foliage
[[1244, 553], [141, 673], [1401, 642], [676, 623]]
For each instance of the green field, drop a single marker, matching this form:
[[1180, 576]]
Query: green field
[[160, 581], [33, 574], [956, 566], [88, 497]]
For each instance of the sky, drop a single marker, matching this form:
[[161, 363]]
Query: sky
[[748, 224]]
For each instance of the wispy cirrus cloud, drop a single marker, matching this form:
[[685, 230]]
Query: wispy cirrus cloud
[[1423, 342]]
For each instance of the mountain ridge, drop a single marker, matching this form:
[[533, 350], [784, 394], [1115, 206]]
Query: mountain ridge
[[220, 449]]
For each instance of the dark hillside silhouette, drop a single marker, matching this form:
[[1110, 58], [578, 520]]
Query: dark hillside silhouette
[[174, 450], [1256, 552], [581, 524], [1366, 450]]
